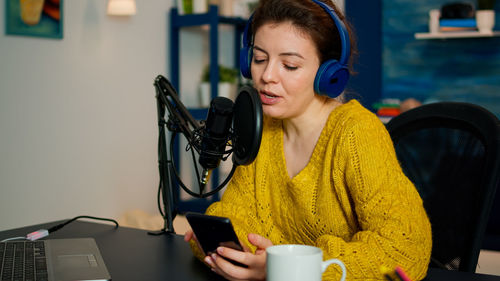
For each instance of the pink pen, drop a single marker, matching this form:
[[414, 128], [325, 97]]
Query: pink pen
[[401, 274]]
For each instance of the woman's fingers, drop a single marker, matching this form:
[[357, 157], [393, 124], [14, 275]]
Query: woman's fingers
[[245, 248], [255, 264], [220, 266], [254, 267], [228, 270], [259, 241], [235, 255], [188, 235]]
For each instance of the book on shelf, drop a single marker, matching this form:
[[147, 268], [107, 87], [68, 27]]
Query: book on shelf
[[457, 25], [469, 22], [456, 29]]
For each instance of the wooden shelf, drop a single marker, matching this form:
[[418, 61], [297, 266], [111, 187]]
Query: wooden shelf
[[455, 34]]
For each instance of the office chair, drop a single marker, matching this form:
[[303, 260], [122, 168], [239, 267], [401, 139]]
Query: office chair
[[451, 152], [492, 236]]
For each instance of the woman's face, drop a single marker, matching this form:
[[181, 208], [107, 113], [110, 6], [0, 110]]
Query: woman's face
[[284, 64]]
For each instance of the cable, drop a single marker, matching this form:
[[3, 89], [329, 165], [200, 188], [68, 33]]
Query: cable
[[158, 200], [59, 226], [41, 233], [14, 238], [190, 192]]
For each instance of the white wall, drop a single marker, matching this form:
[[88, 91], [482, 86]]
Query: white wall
[[78, 126], [340, 4]]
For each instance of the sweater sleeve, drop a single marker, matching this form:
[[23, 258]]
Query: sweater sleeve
[[237, 204], [393, 229]]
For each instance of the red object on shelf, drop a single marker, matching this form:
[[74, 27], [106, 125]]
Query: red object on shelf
[[390, 111]]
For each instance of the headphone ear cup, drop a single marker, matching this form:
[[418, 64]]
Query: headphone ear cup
[[245, 61], [331, 78]]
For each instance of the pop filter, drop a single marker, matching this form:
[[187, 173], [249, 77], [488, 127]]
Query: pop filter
[[247, 126]]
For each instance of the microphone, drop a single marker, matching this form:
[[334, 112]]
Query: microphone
[[237, 124], [245, 118], [215, 136]]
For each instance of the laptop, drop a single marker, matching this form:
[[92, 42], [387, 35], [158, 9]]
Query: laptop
[[52, 260]]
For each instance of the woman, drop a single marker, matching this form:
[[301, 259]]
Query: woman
[[326, 173]]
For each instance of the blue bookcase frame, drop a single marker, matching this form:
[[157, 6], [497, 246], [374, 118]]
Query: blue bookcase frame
[[213, 19]]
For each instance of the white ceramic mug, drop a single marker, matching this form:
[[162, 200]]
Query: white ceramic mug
[[298, 263]]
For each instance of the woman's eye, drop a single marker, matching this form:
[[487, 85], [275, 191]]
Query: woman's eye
[[289, 67], [258, 60]]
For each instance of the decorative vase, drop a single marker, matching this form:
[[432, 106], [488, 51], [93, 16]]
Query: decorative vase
[[485, 20], [200, 6], [225, 89], [226, 8], [434, 15]]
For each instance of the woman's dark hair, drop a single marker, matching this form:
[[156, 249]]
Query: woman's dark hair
[[310, 18]]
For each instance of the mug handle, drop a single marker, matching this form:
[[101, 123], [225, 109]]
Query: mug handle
[[325, 264]]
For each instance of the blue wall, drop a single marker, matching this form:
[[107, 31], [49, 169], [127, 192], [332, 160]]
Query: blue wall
[[365, 16], [452, 69]]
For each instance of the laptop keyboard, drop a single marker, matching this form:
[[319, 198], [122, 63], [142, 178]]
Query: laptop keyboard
[[23, 261]]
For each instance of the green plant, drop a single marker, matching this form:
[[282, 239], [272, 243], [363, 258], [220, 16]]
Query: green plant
[[485, 4], [226, 74]]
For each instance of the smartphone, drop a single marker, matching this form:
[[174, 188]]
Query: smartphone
[[212, 232]]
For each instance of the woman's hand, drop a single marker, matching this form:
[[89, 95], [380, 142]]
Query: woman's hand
[[256, 263], [189, 235]]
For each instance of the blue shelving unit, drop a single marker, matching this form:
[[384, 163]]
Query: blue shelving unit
[[213, 20]]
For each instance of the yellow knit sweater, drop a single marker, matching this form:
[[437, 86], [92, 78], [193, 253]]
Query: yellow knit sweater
[[352, 199]]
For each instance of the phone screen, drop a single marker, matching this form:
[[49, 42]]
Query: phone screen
[[212, 232]]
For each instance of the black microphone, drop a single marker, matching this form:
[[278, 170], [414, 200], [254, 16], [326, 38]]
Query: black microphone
[[215, 136], [238, 124]]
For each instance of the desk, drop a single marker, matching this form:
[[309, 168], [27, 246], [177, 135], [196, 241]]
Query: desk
[[132, 254]]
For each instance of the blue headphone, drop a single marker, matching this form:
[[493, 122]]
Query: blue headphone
[[332, 75]]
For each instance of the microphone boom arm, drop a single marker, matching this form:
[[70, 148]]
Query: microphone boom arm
[[178, 112], [179, 120]]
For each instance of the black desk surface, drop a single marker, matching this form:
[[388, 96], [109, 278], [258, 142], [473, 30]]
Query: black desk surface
[[132, 254]]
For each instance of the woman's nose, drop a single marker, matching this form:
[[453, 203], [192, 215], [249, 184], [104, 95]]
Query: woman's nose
[[270, 73]]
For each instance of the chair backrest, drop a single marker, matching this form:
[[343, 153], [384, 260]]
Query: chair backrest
[[451, 152]]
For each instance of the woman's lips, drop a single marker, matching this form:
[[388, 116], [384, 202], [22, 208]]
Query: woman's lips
[[268, 98]]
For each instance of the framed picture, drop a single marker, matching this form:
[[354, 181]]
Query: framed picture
[[39, 18]]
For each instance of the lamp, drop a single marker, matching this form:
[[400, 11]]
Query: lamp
[[121, 7]]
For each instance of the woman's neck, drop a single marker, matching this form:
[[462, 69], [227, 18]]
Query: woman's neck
[[302, 133], [311, 120]]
